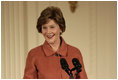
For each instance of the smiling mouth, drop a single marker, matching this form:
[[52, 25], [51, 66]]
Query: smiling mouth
[[50, 36]]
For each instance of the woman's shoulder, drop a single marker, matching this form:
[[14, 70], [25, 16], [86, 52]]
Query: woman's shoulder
[[35, 50], [74, 50], [73, 47]]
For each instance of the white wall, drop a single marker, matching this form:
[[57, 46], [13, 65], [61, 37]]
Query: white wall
[[92, 29]]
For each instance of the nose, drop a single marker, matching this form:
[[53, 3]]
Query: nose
[[48, 30]]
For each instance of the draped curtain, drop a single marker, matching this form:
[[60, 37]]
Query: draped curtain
[[91, 28]]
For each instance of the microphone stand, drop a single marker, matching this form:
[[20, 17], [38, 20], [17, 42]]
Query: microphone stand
[[76, 74], [71, 75]]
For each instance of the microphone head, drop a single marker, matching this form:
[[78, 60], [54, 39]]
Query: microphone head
[[64, 64], [76, 62]]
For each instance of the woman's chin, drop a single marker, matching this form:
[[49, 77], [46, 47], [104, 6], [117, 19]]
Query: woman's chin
[[50, 42]]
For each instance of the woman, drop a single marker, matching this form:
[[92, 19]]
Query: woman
[[43, 62]]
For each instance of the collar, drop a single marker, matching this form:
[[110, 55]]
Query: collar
[[49, 51]]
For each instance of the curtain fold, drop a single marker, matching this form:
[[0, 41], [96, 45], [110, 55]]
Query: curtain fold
[[13, 40]]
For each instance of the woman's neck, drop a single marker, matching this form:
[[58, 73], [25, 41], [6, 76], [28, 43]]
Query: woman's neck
[[55, 46]]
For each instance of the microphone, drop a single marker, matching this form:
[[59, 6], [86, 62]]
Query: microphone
[[77, 64], [64, 65]]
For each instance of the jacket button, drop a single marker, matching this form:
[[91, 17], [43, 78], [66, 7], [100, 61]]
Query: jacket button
[[56, 54]]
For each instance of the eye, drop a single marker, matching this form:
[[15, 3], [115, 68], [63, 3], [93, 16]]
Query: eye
[[44, 27]]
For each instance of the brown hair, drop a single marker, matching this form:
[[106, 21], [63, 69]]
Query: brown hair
[[53, 13]]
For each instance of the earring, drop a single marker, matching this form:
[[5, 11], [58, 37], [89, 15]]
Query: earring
[[60, 32]]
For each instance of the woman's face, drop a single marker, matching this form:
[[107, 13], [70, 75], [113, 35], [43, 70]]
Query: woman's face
[[51, 32]]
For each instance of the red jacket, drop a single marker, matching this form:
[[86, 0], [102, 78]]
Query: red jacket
[[42, 63]]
